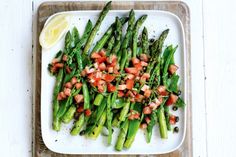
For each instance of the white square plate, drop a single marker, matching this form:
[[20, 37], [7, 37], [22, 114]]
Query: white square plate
[[63, 142]]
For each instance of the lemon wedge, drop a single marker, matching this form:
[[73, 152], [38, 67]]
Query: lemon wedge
[[54, 29]]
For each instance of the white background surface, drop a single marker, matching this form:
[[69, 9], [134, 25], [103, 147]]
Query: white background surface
[[213, 31]]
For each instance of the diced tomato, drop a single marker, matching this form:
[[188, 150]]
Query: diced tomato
[[130, 94], [129, 76], [111, 59], [133, 116], [122, 87], [144, 64], [110, 69], [87, 112], [79, 98], [147, 93], [65, 58], [120, 94], [136, 116], [59, 97], [131, 70], [101, 86], [143, 126], [111, 87], [102, 52], [89, 70], [146, 75], [78, 85], [113, 64], [138, 66], [53, 69], [83, 73], [172, 99], [144, 57], [172, 119], [134, 92], [101, 60], [98, 75], [95, 55], [67, 91], [55, 60], [74, 80], [68, 85], [68, 70], [148, 120], [132, 99], [162, 90], [153, 105], [139, 97], [102, 66], [158, 101], [129, 84], [173, 68], [147, 110], [62, 94], [59, 65], [135, 61], [137, 78], [144, 88], [95, 65], [108, 77], [80, 109]]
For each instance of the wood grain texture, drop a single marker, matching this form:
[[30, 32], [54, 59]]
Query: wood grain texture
[[48, 8]]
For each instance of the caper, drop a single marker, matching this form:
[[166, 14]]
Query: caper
[[82, 133], [176, 119], [176, 129], [174, 108]]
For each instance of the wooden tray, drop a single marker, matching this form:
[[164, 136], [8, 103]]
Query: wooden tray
[[48, 8]]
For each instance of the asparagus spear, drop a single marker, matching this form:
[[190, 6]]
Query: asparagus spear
[[145, 43], [162, 123], [56, 120], [68, 116], [96, 28], [122, 135], [78, 125], [118, 34], [138, 24], [96, 131]]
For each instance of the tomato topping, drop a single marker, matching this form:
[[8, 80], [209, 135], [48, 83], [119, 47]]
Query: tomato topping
[[83, 73], [87, 112], [101, 59], [144, 57], [129, 76], [79, 98], [102, 53], [102, 66], [172, 119], [138, 66], [173, 68], [131, 70], [122, 87], [65, 58], [146, 75], [132, 99], [144, 88], [172, 99], [101, 86], [68, 85], [111, 59], [108, 77], [144, 64], [135, 60], [55, 60], [162, 90], [74, 80], [147, 110], [153, 105], [78, 85], [80, 109], [67, 91], [139, 97], [147, 93], [120, 94], [111, 87], [95, 65], [129, 84], [59, 65], [95, 55], [59, 97], [130, 94], [110, 69], [62, 94], [148, 120], [143, 126], [68, 70]]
